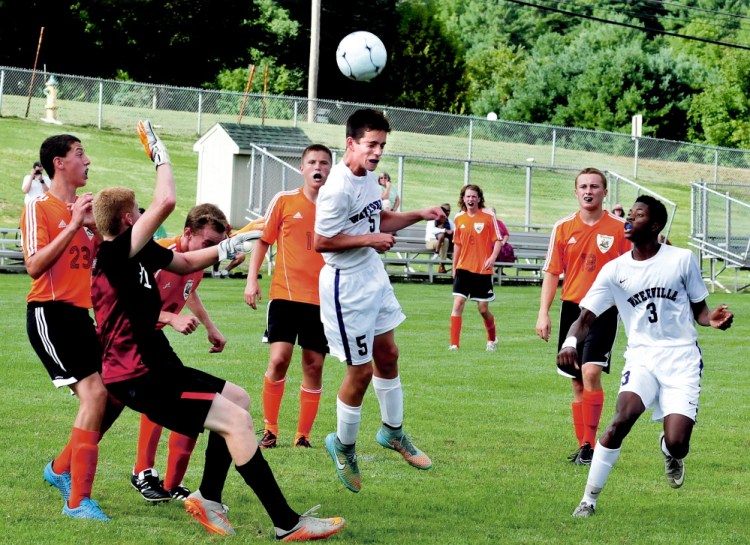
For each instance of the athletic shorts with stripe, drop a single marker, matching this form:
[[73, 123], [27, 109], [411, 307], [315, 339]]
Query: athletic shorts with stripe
[[292, 321], [64, 337], [356, 305], [597, 346], [175, 396], [474, 286]]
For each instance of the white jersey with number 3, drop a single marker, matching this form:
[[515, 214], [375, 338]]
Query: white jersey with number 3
[[653, 296]]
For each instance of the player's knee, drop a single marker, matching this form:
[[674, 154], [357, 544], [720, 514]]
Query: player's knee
[[236, 395], [592, 376]]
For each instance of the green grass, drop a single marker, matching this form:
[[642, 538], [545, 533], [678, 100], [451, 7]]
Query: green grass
[[497, 427]]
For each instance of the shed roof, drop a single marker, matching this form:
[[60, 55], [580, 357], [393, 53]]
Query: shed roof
[[280, 137]]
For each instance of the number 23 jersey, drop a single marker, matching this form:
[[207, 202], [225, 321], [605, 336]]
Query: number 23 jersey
[[653, 296]]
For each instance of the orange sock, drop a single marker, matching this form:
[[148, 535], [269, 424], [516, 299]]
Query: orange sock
[[61, 464], [272, 394], [577, 409], [593, 401], [180, 449], [85, 454], [148, 440], [309, 400], [455, 330], [489, 325]]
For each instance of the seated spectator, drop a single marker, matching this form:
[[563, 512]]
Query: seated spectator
[[438, 236], [506, 255], [387, 192], [618, 210]]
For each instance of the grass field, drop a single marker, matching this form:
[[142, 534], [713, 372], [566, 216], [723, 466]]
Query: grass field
[[497, 426]]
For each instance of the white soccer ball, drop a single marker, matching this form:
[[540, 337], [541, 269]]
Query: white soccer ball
[[361, 56]]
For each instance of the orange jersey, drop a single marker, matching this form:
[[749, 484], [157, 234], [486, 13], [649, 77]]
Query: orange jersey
[[174, 288], [69, 279], [290, 223], [476, 235], [580, 251]]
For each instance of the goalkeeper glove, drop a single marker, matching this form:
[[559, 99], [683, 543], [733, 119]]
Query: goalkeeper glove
[[155, 148], [230, 247]]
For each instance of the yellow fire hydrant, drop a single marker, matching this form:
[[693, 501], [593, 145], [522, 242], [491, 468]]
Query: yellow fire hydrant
[[50, 91]]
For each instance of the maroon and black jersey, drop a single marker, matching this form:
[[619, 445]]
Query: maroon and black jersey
[[126, 303]]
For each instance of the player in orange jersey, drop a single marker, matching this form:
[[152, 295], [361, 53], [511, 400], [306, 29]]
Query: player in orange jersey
[[293, 306], [476, 243], [580, 245], [59, 244]]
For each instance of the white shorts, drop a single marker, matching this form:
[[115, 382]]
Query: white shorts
[[667, 379], [355, 306]]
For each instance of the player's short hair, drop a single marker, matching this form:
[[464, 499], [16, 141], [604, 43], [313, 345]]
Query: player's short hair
[[55, 146], [473, 187], [206, 215], [591, 170], [317, 147], [656, 209], [110, 205], [365, 120]]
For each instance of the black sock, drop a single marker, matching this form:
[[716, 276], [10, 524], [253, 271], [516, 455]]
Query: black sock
[[258, 475], [215, 468]]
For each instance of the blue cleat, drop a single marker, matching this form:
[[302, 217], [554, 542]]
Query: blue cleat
[[88, 509], [61, 481]]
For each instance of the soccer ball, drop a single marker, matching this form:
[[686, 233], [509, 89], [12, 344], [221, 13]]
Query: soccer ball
[[361, 56]]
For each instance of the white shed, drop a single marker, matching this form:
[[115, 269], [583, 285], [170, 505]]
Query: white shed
[[241, 167]]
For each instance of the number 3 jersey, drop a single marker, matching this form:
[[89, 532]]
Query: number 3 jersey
[[653, 296], [69, 279]]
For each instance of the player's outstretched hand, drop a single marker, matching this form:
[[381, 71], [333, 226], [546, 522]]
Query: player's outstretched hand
[[721, 318], [153, 145], [240, 243], [567, 360]]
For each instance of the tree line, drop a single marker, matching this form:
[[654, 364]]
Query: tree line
[[538, 61]]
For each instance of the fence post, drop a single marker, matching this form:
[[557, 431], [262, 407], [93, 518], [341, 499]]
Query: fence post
[[400, 187], [528, 194], [635, 159], [467, 164], [716, 166], [554, 146], [2, 88], [296, 112], [101, 104], [200, 111]]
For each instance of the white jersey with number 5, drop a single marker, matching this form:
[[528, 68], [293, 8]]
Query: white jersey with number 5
[[653, 296], [349, 205]]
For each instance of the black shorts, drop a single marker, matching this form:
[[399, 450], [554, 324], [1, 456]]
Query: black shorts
[[597, 346], [64, 337], [473, 286], [176, 397], [290, 322]]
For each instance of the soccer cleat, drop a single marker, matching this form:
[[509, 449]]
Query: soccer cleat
[[61, 481], [148, 484], [346, 464], [310, 527], [302, 442], [491, 346], [453, 347], [674, 468], [268, 440], [406, 448], [573, 457], [87, 509], [179, 492], [584, 510], [585, 453], [211, 514]]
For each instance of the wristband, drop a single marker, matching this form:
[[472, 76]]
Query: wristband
[[570, 342]]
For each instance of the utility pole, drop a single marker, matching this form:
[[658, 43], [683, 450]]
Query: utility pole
[[312, 76]]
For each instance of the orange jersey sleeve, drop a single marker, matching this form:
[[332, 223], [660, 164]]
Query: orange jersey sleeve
[[69, 278], [255, 225], [580, 251], [476, 235], [290, 224]]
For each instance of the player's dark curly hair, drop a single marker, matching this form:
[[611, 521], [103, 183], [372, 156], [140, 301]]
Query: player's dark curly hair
[[55, 146], [473, 187], [656, 209], [365, 120]]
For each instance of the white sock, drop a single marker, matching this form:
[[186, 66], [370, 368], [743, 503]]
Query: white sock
[[664, 449], [391, 398], [601, 465], [348, 420]]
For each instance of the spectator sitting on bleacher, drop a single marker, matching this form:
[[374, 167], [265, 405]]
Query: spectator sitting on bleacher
[[438, 236], [506, 255]]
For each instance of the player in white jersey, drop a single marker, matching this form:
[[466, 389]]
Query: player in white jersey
[[659, 293], [358, 307]]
